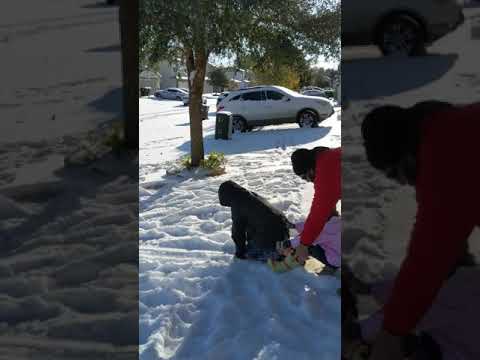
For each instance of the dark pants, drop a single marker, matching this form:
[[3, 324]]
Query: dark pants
[[422, 347], [259, 253], [261, 246]]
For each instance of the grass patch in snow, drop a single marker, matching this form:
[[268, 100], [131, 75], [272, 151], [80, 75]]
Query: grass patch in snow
[[96, 143], [214, 163], [115, 138]]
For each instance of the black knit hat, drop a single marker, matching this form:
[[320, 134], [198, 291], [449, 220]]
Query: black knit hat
[[384, 136], [229, 192], [305, 159], [389, 132]]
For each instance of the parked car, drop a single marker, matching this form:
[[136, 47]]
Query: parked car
[[402, 27], [306, 88], [222, 96], [329, 93], [145, 91], [172, 94], [319, 93], [272, 105]]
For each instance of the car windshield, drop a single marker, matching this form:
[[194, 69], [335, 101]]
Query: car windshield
[[233, 93], [235, 98]]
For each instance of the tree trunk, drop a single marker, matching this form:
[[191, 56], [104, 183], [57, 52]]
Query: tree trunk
[[196, 67], [129, 44]]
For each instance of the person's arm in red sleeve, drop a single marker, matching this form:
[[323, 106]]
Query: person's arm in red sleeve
[[443, 224], [327, 186]]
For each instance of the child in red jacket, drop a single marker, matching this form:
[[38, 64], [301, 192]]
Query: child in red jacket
[[415, 146], [322, 166]]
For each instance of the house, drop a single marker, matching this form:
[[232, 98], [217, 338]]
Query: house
[[239, 78], [175, 75], [183, 83], [148, 78], [169, 74]]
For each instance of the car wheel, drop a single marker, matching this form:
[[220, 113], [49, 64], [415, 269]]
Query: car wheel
[[239, 124], [308, 118], [401, 35]]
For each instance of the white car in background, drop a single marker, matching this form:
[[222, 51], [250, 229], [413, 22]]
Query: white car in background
[[399, 27], [325, 93], [319, 93], [172, 94], [222, 96], [274, 105]]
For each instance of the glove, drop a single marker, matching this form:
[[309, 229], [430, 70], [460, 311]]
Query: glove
[[284, 265], [301, 253]]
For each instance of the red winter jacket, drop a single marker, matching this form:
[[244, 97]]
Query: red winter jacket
[[448, 194], [327, 186]]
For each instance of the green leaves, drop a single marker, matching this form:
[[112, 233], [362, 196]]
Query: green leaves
[[214, 163], [214, 160], [250, 26], [218, 78], [275, 34]]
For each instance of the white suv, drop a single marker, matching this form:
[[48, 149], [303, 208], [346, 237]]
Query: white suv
[[273, 105]]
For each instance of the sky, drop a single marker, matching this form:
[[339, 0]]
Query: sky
[[322, 62], [326, 64]]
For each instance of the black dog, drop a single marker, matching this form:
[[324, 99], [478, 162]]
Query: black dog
[[256, 225]]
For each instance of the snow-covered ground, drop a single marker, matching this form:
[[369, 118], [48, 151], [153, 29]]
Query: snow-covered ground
[[61, 77], [196, 300], [68, 245], [69, 285], [378, 214], [61, 69]]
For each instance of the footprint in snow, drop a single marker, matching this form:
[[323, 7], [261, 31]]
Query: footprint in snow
[[177, 231], [209, 227]]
